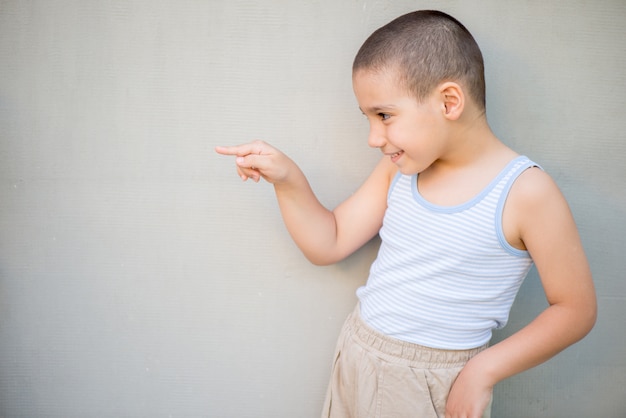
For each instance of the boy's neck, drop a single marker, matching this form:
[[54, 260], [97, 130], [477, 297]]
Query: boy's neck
[[474, 157], [471, 140]]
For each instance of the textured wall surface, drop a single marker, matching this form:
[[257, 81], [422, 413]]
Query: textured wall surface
[[139, 277]]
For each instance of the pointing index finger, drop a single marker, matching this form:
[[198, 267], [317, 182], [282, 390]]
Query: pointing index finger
[[255, 147], [232, 150]]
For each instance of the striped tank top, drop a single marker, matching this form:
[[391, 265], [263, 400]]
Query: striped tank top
[[445, 276]]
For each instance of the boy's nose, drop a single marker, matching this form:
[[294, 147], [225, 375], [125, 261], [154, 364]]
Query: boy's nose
[[376, 139]]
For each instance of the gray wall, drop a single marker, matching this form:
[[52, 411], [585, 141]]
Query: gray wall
[[139, 277]]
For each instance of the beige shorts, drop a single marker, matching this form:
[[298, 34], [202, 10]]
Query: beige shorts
[[374, 375]]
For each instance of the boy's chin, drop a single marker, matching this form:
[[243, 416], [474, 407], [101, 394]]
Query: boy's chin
[[408, 170]]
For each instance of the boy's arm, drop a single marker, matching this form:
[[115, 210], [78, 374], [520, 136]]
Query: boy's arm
[[547, 230], [324, 236]]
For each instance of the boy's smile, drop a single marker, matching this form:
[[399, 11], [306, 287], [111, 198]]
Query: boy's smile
[[396, 156]]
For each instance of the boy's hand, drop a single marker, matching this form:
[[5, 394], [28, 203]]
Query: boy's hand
[[469, 396], [258, 160]]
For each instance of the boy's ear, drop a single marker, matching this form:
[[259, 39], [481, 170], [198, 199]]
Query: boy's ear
[[452, 99]]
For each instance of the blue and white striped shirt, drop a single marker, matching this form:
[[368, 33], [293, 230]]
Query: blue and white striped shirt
[[445, 277]]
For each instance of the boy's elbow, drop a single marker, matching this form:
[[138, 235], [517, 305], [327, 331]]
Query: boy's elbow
[[319, 260], [591, 316], [587, 318], [322, 258]]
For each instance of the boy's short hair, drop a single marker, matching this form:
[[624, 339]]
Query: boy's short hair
[[426, 47]]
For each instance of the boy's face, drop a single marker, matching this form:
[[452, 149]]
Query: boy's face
[[412, 134]]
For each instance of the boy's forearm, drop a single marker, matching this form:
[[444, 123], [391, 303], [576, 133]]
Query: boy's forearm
[[310, 224], [551, 332], [558, 327], [326, 236]]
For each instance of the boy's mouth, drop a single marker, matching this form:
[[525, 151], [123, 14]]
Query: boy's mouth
[[396, 155]]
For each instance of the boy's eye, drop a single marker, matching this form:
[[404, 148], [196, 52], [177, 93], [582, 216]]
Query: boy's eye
[[384, 116]]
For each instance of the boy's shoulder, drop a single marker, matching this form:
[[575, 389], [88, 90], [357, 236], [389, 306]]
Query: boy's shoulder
[[534, 183], [533, 204]]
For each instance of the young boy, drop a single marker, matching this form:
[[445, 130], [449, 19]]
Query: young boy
[[461, 218]]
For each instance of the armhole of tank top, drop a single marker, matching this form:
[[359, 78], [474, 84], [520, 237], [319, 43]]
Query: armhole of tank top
[[500, 208], [393, 184]]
